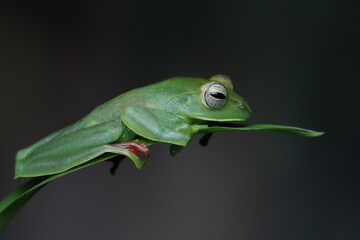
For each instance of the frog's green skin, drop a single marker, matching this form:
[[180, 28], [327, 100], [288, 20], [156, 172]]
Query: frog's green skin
[[171, 111]]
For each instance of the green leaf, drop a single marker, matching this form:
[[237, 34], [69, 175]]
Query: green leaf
[[10, 205], [262, 127]]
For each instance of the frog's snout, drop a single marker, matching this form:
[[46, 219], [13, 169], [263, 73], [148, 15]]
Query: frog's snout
[[244, 109]]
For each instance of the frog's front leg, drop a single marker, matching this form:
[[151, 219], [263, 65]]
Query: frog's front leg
[[77, 148]]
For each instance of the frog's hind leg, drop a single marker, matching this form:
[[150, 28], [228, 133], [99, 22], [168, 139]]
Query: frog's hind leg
[[54, 155], [129, 149], [69, 129]]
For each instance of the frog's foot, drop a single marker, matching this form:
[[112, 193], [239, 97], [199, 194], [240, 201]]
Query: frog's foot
[[204, 140], [115, 161], [134, 147]]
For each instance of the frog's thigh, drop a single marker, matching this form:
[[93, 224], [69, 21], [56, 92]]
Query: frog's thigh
[[64, 163], [56, 155]]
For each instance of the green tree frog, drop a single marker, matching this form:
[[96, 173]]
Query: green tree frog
[[171, 111]]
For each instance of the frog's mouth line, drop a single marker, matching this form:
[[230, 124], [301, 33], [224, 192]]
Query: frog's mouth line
[[225, 124]]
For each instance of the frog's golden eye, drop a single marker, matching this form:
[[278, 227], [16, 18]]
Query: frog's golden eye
[[214, 95]]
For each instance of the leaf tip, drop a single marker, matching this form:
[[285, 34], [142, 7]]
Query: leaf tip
[[318, 134]]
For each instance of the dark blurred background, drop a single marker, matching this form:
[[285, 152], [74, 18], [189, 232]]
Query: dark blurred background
[[296, 63]]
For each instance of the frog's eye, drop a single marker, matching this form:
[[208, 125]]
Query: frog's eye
[[214, 95]]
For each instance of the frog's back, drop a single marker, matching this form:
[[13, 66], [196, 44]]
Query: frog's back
[[153, 96]]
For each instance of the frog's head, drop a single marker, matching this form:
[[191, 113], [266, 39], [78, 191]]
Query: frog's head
[[209, 100]]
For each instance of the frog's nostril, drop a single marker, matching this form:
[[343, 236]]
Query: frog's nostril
[[244, 106], [241, 106]]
